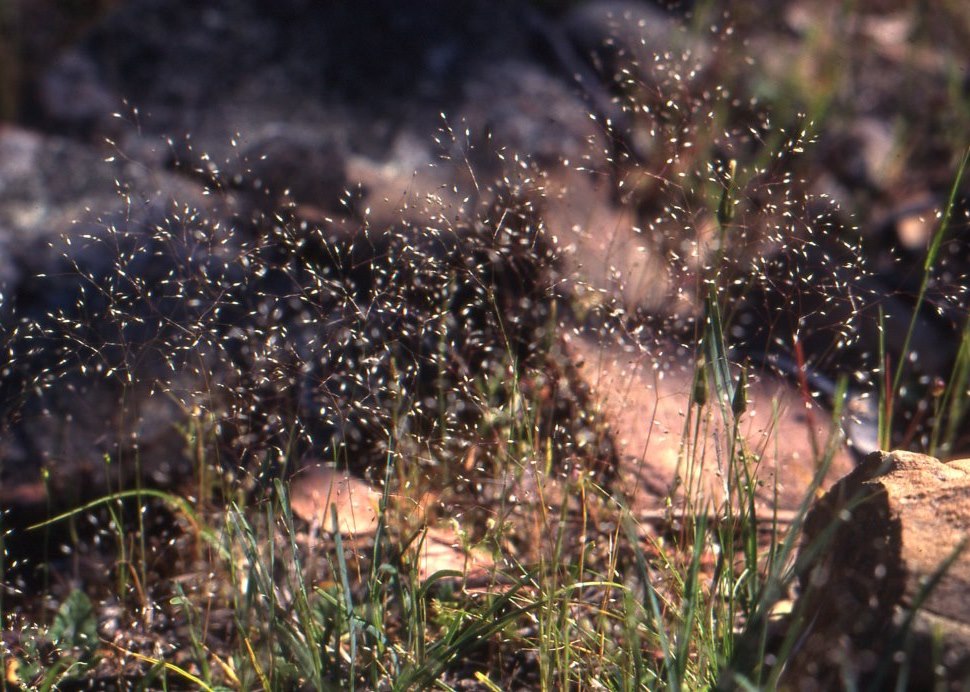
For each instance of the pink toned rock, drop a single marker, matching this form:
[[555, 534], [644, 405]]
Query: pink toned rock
[[645, 403], [316, 488]]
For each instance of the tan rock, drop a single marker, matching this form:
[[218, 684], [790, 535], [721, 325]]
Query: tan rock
[[646, 403], [316, 488], [888, 584], [435, 550]]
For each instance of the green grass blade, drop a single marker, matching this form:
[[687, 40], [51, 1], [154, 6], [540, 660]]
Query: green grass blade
[[931, 256]]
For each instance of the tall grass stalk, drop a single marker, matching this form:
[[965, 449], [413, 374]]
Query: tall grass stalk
[[929, 263]]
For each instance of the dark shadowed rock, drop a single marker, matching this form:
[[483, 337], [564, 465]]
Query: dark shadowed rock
[[277, 98], [292, 166], [73, 231], [220, 71]]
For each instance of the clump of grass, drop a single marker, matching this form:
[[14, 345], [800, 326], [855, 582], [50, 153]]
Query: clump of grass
[[424, 357]]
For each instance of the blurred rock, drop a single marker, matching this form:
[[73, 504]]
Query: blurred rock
[[644, 398], [291, 166], [632, 40], [33, 33], [278, 98], [75, 248], [316, 488], [223, 71]]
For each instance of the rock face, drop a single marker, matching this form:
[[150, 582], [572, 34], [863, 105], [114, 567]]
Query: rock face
[[888, 577]]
